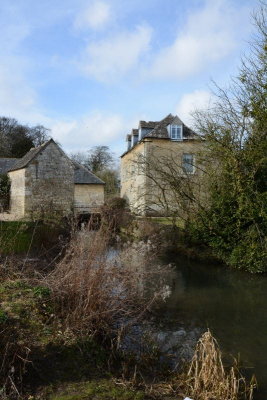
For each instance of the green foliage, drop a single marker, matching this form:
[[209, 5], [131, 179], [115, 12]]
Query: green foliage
[[4, 190], [98, 390], [110, 177], [100, 160], [41, 292], [234, 220], [15, 237], [114, 215], [17, 139], [3, 317]]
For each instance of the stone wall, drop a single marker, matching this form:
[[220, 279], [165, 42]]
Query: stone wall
[[49, 183], [17, 193], [88, 197], [133, 179], [143, 194]]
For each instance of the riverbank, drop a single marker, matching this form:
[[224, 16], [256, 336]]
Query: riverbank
[[170, 236], [66, 329], [44, 362]]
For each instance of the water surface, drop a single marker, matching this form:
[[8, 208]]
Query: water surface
[[232, 304]]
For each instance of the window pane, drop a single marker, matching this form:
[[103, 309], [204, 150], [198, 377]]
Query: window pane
[[176, 132], [188, 163]]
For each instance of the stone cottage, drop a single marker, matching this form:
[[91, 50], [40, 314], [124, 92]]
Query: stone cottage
[[157, 153], [45, 180]]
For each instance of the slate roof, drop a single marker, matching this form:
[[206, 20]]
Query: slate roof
[[149, 124], [159, 129], [25, 160], [82, 175], [6, 164]]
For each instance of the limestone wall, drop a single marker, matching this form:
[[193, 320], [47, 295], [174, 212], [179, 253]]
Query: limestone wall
[[88, 198], [146, 195], [17, 193], [133, 179], [49, 183]]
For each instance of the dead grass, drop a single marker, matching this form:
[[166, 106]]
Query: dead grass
[[100, 292], [207, 378]]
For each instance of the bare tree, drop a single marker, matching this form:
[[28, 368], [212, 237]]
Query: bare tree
[[101, 161], [169, 189]]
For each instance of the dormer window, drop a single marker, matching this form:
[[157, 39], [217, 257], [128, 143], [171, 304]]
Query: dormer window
[[176, 132], [134, 139]]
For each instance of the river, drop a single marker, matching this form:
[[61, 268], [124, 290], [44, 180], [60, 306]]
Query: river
[[232, 304]]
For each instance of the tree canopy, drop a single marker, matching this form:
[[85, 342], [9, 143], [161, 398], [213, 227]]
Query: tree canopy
[[234, 220], [17, 139], [101, 161]]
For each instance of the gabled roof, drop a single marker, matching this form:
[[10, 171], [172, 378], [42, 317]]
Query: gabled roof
[[158, 130], [82, 175], [25, 160], [6, 164]]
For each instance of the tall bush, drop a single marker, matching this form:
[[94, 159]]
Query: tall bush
[[234, 220]]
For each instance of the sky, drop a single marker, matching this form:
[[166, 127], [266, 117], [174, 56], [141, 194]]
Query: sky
[[89, 70]]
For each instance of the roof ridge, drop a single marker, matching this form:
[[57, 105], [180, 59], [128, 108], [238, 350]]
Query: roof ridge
[[30, 155]]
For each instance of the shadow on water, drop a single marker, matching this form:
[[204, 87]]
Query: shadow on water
[[232, 304]]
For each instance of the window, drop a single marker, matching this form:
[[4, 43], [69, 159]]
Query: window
[[176, 132], [188, 163]]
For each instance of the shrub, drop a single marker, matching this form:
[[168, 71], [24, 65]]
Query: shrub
[[4, 191], [115, 215], [98, 293]]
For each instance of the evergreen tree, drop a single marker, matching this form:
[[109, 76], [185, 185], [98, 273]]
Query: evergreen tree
[[234, 222]]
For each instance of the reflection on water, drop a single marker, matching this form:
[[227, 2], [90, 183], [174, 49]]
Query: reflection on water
[[232, 304]]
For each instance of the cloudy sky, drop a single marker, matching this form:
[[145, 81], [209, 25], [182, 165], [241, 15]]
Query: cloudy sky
[[90, 69]]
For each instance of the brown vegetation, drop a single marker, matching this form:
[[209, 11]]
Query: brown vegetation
[[97, 292], [207, 378], [100, 291]]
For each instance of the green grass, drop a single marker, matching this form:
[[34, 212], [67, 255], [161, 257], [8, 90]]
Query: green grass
[[19, 237], [26, 311], [102, 389], [15, 236]]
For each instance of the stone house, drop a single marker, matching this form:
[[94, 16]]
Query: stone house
[[157, 153], [45, 180]]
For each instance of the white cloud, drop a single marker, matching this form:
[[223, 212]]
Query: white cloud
[[17, 98], [96, 128], [95, 16], [15, 95], [199, 99], [108, 59], [209, 35]]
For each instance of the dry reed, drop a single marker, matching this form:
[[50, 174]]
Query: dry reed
[[207, 378]]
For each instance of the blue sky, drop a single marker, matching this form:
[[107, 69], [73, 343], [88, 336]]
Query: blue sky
[[91, 69]]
